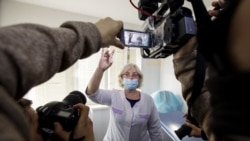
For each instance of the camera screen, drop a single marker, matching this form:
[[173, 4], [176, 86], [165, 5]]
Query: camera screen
[[133, 38], [64, 114]]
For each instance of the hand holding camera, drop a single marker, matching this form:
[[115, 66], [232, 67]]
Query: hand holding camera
[[187, 129], [67, 119], [83, 128]]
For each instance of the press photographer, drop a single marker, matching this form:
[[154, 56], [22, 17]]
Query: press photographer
[[67, 113]]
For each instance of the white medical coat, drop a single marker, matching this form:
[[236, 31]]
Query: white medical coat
[[138, 123]]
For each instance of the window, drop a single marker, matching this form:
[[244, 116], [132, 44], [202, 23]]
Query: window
[[78, 76]]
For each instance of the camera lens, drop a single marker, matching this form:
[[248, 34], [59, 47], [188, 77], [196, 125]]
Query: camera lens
[[75, 97]]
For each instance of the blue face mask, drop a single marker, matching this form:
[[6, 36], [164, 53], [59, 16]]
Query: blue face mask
[[130, 84]]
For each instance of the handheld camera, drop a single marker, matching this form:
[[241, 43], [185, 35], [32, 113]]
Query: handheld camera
[[171, 25], [61, 112]]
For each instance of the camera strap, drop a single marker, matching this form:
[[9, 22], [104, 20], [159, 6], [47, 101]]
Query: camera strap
[[199, 77]]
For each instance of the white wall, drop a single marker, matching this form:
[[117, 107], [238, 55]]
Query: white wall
[[100, 118], [159, 75]]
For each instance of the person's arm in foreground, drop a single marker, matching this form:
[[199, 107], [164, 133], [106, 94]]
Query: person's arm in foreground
[[104, 63], [31, 54], [184, 67]]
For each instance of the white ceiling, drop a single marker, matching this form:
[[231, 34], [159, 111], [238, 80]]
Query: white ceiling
[[117, 9]]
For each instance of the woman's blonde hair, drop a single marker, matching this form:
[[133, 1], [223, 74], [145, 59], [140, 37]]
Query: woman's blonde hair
[[125, 69]]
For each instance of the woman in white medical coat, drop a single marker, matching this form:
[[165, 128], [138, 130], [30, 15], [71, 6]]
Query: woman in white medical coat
[[133, 115]]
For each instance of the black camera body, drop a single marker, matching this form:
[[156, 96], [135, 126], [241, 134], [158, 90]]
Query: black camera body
[[183, 131], [61, 112], [171, 26]]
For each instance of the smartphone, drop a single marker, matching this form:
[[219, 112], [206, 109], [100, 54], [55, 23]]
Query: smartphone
[[134, 38]]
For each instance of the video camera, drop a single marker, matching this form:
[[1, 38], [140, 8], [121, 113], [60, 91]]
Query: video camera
[[171, 26], [61, 112]]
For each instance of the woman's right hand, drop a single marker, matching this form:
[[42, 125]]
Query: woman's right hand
[[106, 59]]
